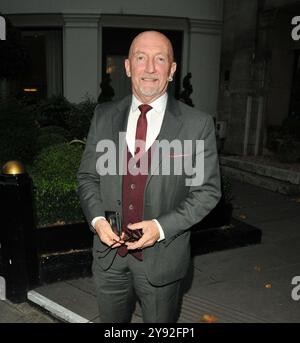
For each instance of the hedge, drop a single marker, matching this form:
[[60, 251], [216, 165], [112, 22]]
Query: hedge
[[54, 178]]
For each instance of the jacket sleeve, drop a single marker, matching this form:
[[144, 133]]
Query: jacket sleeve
[[200, 199], [88, 178]]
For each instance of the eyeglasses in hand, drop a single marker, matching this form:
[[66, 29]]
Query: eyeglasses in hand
[[130, 236]]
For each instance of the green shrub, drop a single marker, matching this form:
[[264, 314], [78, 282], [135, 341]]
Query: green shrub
[[58, 115], [54, 178], [18, 132], [54, 111], [79, 119], [47, 140], [52, 129]]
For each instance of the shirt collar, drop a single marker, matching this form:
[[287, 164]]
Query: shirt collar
[[159, 105]]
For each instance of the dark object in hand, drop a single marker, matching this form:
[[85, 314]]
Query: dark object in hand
[[114, 220], [132, 235]]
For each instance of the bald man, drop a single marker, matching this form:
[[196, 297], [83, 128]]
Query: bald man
[[149, 255]]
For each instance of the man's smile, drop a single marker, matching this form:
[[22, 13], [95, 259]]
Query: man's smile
[[149, 79]]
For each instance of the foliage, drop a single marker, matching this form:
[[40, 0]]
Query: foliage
[[54, 111], [47, 140], [54, 177], [37, 135], [52, 129], [57, 115], [79, 119], [18, 131]]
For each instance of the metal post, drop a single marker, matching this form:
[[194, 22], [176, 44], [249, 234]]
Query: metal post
[[17, 233]]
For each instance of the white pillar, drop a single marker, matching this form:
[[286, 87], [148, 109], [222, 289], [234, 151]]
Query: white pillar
[[204, 64], [81, 45]]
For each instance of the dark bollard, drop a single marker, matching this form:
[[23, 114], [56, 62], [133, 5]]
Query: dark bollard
[[17, 232]]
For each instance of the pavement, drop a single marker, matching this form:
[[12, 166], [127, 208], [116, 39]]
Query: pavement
[[252, 284]]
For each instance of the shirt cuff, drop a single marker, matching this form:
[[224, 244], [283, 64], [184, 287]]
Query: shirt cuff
[[95, 219], [161, 231]]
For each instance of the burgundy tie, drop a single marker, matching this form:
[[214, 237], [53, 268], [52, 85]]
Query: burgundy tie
[[141, 134], [141, 129]]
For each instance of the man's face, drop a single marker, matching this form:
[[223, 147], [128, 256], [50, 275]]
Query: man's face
[[150, 64]]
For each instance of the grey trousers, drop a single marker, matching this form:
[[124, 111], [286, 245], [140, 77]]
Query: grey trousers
[[117, 287]]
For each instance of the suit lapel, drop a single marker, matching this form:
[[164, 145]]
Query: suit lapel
[[170, 128], [169, 131], [119, 125]]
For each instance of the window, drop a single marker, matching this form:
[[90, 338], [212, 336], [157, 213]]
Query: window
[[44, 73]]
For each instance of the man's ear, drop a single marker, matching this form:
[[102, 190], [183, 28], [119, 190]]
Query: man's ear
[[127, 67], [173, 69]]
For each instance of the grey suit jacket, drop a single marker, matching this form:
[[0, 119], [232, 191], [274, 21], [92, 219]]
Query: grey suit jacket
[[167, 198]]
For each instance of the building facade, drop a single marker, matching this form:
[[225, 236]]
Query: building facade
[[74, 44], [260, 72]]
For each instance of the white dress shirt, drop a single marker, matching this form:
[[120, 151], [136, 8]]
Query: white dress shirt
[[154, 121]]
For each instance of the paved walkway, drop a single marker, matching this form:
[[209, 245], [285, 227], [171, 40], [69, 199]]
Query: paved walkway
[[23, 313], [248, 284]]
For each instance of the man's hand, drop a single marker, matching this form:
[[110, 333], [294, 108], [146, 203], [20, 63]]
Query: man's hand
[[106, 234], [150, 234]]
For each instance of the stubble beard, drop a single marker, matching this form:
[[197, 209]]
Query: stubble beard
[[149, 92], [152, 92]]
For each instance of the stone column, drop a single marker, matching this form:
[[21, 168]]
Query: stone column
[[204, 64], [53, 63], [81, 52], [237, 92]]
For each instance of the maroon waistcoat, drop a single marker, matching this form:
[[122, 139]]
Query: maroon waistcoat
[[133, 189]]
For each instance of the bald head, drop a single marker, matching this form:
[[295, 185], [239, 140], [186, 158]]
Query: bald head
[[152, 36], [150, 65]]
